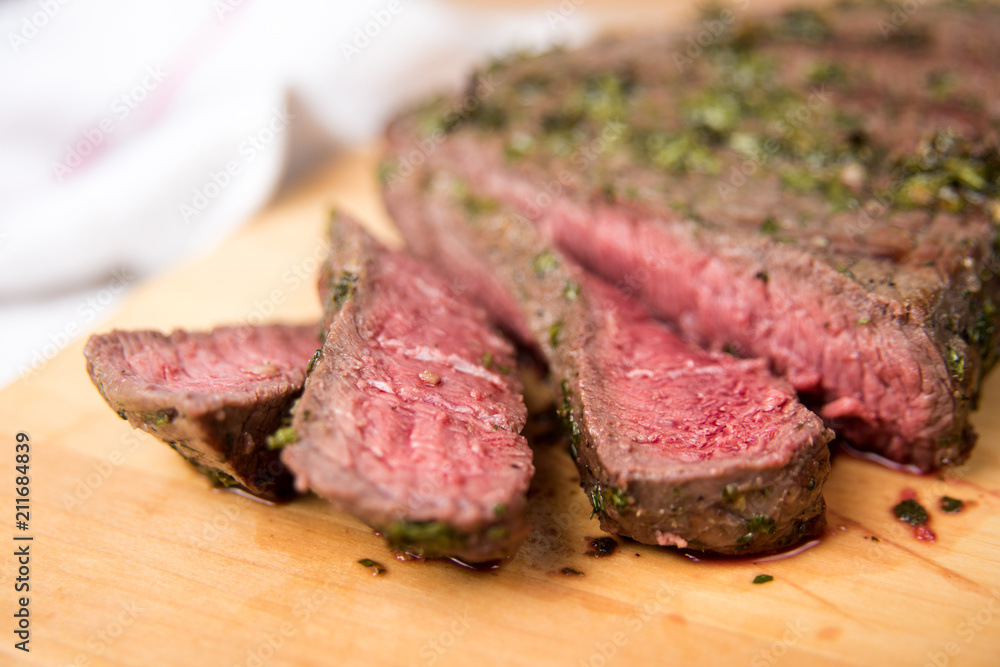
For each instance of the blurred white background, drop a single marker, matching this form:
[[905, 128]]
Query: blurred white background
[[134, 136]]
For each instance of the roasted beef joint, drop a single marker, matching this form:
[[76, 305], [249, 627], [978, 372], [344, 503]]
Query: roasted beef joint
[[675, 445], [815, 189]]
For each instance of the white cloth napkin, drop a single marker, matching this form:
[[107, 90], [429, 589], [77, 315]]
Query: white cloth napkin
[[134, 135]]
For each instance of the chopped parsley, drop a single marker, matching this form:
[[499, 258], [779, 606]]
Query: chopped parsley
[[282, 437], [544, 263], [956, 364], [312, 362], [601, 547], [911, 512], [376, 567], [951, 505], [804, 24], [769, 226], [756, 526], [571, 292], [555, 332], [426, 537], [344, 288], [604, 498]]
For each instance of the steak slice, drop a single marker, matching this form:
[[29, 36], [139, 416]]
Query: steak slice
[[817, 189], [214, 397], [411, 418], [675, 445]]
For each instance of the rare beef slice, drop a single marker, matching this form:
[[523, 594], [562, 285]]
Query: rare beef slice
[[819, 189], [411, 418], [675, 445], [215, 397]]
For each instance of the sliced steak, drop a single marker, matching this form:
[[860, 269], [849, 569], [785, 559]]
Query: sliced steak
[[214, 397], [820, 190], [411, 418], [675, 445]]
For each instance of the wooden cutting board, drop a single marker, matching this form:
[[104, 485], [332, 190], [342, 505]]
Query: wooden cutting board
[[136, 561]]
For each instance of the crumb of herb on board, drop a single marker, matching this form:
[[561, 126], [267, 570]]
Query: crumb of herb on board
[[376, 567], [600, 546], [951, 505], [910, 511], [570, 572], [762, 578]]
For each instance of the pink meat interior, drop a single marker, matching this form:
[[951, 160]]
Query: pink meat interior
[[669, 402], [420, 408], [227, 359]]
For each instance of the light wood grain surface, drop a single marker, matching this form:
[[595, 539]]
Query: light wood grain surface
[[136, 561]]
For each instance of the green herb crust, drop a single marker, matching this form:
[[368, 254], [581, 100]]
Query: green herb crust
[[801, 137], [437, 539], [911, 512]]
